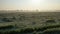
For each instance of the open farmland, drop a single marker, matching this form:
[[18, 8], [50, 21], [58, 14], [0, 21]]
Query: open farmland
[[30, 23]]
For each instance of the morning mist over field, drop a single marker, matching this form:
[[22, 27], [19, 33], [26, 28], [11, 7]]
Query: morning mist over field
[[29, 16], [29, 4]]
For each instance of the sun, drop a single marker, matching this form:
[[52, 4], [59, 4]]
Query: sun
[[37, 1]]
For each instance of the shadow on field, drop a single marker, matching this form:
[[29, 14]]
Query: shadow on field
[[30, 30], [6, 27], [52, 32]]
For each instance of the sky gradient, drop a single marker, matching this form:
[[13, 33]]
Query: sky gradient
[[29, 5]]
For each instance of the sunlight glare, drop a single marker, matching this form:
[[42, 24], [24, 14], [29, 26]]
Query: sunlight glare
[[37, 2]]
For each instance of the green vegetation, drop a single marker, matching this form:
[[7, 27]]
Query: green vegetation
[[30, 23]]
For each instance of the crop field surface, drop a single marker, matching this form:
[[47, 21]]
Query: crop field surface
[[30, 23]]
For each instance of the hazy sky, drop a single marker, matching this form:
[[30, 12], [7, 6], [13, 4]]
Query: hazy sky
[[30, 4]]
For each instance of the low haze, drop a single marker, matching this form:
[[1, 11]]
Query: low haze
[[30, 4], [29, 16]]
